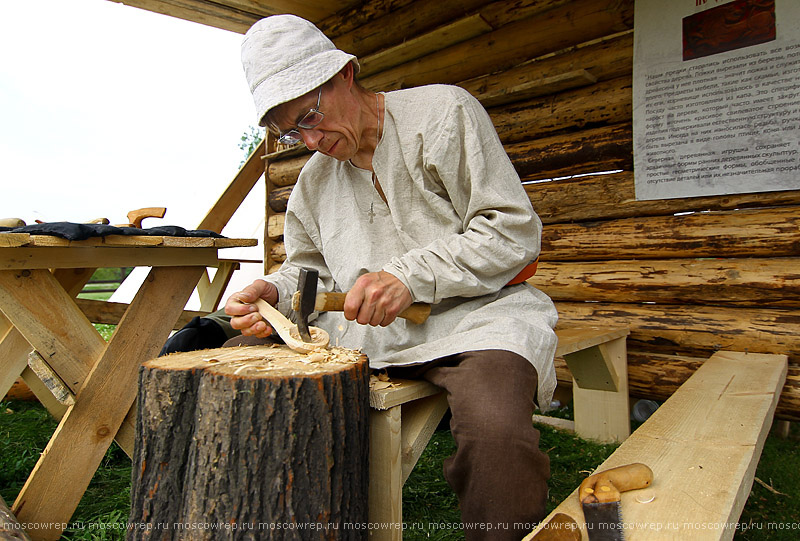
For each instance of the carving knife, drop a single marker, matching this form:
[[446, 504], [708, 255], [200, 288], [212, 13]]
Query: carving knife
[[599, 495]]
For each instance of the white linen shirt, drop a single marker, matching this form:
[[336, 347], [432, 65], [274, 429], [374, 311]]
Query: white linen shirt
[[457, 227]]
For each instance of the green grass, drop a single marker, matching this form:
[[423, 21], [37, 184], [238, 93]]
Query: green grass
[[428, 501]]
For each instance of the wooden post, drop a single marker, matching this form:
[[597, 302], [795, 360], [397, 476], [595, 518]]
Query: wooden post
[[256, 440]]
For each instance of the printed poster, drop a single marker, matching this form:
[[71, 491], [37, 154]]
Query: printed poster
[[716, 97]]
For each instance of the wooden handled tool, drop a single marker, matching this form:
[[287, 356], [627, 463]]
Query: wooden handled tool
[[334, 302], [599, 495]]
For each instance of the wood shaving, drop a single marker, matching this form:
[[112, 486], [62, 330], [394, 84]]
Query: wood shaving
[[381, 381]]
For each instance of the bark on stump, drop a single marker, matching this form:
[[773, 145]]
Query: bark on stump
[[254, 442]]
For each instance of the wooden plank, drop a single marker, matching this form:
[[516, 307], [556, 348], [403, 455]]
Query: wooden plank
[[10, 240], [581, 336], [211, 292], [745, 282], [108, 240], [110, 313], [50, 379], [230, 200], [78, 256], [43, 394], [420, 419], [234, 243], [56, 327], [419, 46], [703, 445], [104, 400], [14, 351], [555, 422], [404, 391], [385, 475]]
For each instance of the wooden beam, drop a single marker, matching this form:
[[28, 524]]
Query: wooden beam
[[612, 196], [703, 446], [745, 282], [604, 103], [110, 313], [230, 200], [694, 330], [556, 29], [741, 233], [417, 47]]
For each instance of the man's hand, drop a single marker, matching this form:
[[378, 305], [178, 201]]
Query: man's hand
[[376, 299], [245, 315]]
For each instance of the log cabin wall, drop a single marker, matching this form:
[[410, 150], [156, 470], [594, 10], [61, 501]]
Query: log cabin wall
[[688, 276]]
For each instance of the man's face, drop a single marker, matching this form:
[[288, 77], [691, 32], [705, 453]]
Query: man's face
[[336, 135]]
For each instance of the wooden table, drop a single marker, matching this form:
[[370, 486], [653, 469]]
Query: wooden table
[[40, 276]]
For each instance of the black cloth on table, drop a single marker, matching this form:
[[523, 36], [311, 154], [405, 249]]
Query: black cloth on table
[[74, 231]]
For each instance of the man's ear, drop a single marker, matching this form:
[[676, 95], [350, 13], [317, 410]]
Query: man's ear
[[347, 73]]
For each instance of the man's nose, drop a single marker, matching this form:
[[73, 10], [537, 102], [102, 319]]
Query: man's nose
[[311, 137]]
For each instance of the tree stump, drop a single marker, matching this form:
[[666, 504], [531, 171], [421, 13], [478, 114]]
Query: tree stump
[[255, 442]]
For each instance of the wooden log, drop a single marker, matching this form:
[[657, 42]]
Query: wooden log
[[607, 102], [745, 282], [556, 29], [612, 196], [402, 24], [10, 528], [285, 172], [279, 198], [275, 226], [698, 331], [741, 233], [419, 46], [278, 252], [347, 20], [589, 151], [762, 233], [604, 59], [601, 149], [656, 376], [258, 439]]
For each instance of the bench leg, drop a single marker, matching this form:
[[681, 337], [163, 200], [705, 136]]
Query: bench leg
[[385, 475], [605, 415]]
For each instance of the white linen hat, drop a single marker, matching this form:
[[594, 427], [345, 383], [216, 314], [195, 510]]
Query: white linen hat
[[285, 57]]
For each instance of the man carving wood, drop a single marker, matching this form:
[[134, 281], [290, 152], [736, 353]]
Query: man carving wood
[[410, 197]]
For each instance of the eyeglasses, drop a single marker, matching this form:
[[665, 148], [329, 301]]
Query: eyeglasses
[[310, 120]]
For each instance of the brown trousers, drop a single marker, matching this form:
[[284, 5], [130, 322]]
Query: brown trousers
[[498, 472]]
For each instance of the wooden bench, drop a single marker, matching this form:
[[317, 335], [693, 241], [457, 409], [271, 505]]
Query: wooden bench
[[404, 416], [703, 445]]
